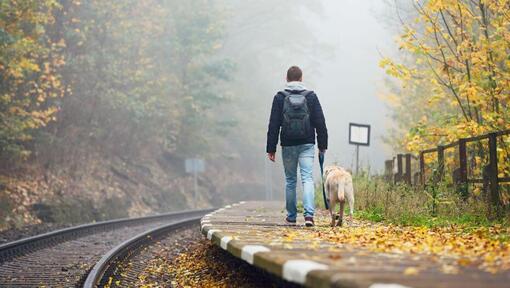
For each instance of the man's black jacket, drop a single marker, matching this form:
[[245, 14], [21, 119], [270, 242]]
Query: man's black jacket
[[318, 123]]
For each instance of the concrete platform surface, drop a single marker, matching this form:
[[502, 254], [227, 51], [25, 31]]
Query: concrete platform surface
[[256, 232]]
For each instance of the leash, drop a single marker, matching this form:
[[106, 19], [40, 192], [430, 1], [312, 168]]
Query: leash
[[321, 164]]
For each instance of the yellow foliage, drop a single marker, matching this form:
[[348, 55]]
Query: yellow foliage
[[31, 78], [484, 247], [458, 73]]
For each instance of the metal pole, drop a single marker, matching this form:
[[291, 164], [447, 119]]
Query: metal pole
[[195, 174], [357, 159]]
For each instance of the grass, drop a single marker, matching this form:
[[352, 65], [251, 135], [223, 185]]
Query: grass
[[378, 201], [374, 215], [423, 219]]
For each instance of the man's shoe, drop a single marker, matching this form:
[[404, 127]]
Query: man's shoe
[[289, 221], [309, 222]]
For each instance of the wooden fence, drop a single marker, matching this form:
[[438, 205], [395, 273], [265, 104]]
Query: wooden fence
[[491, 180]]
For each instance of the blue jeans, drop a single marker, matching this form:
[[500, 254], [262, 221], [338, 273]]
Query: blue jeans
[[292, 156]]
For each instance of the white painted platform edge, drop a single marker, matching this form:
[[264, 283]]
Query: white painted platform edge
[[248, 251], [211, 232], [205, 226], [296, 270], [224, 242]]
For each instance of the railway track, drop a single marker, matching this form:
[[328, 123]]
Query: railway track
[[122, 265], [63, 258]]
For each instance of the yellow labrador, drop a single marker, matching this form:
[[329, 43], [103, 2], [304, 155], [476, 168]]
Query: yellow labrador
[[338, 184]]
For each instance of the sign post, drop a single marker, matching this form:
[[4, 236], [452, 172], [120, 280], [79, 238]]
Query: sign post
[[359, 135], [195, 166]]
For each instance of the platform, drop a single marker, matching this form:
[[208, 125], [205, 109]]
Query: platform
[[256, 233]]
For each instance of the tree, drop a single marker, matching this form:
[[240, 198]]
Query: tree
[[29, 73], [461, 70], [455, 77], [141, 74]]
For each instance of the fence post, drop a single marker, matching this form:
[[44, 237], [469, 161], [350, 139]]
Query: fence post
[[408, 169], [399, 168], [440, 163], [388, 165], [422, 168], [463, 177], [493, 168]]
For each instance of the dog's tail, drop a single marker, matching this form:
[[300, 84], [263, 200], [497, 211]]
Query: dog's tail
[[341, 190]]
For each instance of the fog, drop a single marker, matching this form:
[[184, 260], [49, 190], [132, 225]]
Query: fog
[[130, 90], [338, 44], [350, 82]]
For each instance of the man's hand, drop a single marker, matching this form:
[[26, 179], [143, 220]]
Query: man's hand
[[271, 156], [322, 151]]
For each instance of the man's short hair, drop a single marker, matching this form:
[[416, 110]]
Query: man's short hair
[[294, 74]]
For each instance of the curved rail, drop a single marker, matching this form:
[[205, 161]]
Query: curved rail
[[26, 245], [98, 276]]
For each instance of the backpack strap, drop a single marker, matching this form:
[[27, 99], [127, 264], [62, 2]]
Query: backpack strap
[[307, 92], [286, 93]]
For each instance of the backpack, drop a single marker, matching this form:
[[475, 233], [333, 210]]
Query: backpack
[[296, 115]]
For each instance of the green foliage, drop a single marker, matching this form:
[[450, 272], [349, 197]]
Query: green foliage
[[374, 214], [378, 201]]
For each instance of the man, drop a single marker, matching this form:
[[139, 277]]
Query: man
[[298, 113]]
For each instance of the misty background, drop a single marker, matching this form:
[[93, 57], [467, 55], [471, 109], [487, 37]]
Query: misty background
[[111, 98], [338, 45]]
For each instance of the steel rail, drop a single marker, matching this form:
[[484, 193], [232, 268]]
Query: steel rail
[[105, 267], [21, 247]]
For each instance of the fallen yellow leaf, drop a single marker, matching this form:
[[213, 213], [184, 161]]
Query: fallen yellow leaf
[[411, 271]]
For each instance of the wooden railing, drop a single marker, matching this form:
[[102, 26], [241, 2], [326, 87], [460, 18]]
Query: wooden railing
[[490, 172]]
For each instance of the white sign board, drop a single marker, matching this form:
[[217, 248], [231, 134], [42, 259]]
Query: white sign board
[[359, 134], [195, 165]]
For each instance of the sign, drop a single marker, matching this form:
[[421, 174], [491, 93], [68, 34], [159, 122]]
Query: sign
[[359, 134], [195, 165]]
